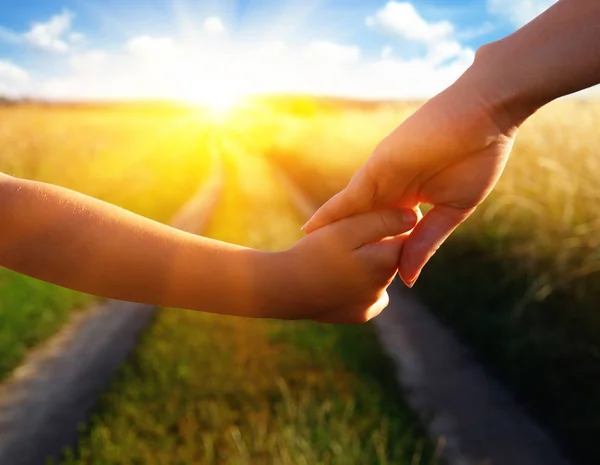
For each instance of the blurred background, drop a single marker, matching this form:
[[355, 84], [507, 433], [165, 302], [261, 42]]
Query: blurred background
[[142, 103]]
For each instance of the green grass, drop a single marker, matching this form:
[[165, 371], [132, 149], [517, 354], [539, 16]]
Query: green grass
[[203, 389], [217, 390], [30, 311], [120, 155]]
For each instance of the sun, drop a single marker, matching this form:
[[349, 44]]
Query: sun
[[217, 101], [219, 105]]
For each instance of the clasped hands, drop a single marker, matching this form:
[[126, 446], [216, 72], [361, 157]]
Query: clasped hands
[[449, 154]]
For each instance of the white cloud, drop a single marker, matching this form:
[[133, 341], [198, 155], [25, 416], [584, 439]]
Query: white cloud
[[76, 37], [13, 79], [478, 31], [519, 12], [50, 35], [440, 38], [197, 67], [402, 19], [387, 51], [329, 53], [150, 46], [54, 35], [12, 72], [202, 68], [214, 25], [419, 78], [270, 50], [445, 50], [90, 62]]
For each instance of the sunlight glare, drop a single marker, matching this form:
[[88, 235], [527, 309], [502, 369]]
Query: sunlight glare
[[219, 102], [220, 105]]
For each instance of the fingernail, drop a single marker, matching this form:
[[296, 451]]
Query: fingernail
[[302, 228], [409, 284], [412, 282]]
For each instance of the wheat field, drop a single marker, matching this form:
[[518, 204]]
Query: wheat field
[[519, 282]]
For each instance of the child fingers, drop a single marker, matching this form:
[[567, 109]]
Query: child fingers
[[367, 228], [384, 254]]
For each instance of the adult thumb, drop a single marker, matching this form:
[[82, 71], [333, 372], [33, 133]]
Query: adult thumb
[[429, 234]]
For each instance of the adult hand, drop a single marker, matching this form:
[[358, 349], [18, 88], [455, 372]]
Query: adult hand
[[449, 154], [452, 151]]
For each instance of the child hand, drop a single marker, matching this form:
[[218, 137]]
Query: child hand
[[339, 273]]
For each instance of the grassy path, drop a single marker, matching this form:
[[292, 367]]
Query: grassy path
[[31, 311], [214, 390]]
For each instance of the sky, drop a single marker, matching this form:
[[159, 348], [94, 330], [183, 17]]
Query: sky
[[197, 50]]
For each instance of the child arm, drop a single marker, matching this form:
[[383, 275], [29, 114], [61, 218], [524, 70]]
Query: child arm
[[75, 241], [337, 274]]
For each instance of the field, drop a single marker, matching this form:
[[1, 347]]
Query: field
[[519, 283], [213, 390], [200, 388]]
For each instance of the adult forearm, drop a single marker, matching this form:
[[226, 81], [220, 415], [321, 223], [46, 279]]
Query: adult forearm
[[78, 242], [554, 55]]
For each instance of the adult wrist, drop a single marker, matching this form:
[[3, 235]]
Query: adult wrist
[[501, 87]]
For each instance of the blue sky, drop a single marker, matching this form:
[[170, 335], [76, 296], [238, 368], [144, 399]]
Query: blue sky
[[195, 49]]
